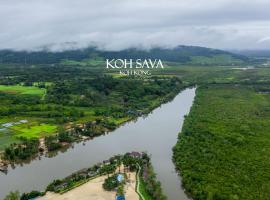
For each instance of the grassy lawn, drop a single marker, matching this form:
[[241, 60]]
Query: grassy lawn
[[224, 149], [17, 89]]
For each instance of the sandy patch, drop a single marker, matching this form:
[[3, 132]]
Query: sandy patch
[[93, 190], [130, 187]]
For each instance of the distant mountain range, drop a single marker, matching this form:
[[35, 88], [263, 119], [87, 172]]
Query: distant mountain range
[[182, 54], [253, 53]]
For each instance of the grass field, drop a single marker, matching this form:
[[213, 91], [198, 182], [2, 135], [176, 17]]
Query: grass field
[[27, 130], [25, 90], [224, 149], [34, 131]]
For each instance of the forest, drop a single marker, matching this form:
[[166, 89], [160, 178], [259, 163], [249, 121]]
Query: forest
[[222, 152]]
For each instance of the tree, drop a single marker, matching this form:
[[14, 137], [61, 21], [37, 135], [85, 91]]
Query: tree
[[13, 196], [110, 183]]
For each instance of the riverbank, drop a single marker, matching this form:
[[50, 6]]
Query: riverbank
[[81, 132]]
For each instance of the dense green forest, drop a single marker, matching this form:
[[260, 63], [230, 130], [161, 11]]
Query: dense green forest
[[223, 149]]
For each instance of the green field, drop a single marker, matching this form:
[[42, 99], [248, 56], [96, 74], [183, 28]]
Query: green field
[[24, 90], [224, 149], [27, 130], [34, 131]]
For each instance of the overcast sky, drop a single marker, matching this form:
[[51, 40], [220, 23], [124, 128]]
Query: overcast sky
[[119, 24]]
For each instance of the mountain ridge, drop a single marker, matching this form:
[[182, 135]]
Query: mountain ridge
[[182, 54]]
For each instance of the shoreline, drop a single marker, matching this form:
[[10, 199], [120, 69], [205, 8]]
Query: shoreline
[[169, 97]]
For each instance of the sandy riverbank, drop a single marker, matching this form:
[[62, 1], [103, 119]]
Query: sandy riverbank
[[93, 190]]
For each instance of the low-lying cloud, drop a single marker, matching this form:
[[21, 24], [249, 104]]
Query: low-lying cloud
[[120, 24]]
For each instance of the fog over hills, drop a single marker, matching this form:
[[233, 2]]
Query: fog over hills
[[183, 54]]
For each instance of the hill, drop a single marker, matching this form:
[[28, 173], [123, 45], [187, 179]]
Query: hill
[[183, 54]]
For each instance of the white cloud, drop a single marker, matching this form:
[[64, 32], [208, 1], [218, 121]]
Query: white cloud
[[264, 39], [118, 24]]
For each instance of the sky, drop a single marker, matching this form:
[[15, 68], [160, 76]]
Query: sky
[[119, 24]]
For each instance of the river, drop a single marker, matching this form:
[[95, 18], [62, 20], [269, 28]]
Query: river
[[156, 134]]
